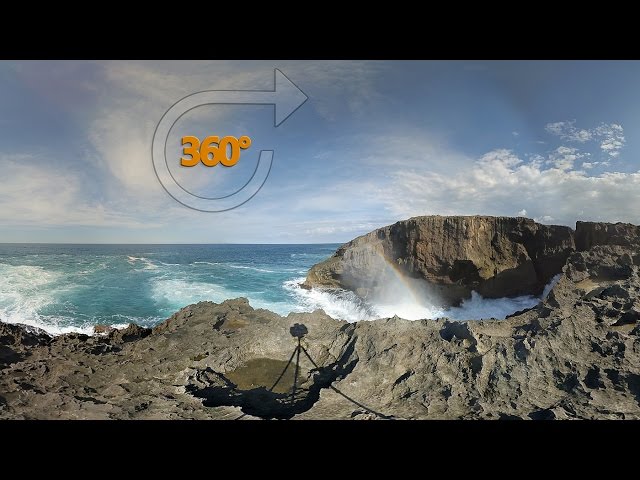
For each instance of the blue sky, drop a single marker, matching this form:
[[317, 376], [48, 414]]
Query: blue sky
[[376, 142]]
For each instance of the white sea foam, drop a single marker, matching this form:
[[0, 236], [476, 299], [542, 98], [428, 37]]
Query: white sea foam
[[51, 325], [410, 311], [346, 305], [148, 264], [29, 293], [91, 269], [25, 290], [244, 267], [178, 292], [478, 307], [342, 304], [173, 294], [120, 326], [549, 286], [238, 267]]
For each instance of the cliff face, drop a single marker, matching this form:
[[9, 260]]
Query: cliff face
[[575, 355], [590, 234], [495, 256]]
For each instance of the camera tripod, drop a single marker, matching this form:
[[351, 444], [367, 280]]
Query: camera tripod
[[297, 331]]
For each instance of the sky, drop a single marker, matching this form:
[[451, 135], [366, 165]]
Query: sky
[[376, 142]]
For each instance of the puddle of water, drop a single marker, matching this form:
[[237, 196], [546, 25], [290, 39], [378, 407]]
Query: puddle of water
[[263, 372]]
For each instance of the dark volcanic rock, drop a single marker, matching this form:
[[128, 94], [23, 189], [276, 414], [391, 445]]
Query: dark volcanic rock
[[576, 355], [21, 336], [103, 329], [495, 256], [15, 341], [590, 234], [129, 334]]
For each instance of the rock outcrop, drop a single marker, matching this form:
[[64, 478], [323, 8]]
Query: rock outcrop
[[590, 234], [575, 355], [495, 256]]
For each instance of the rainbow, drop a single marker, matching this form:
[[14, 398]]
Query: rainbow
[[394, 269]]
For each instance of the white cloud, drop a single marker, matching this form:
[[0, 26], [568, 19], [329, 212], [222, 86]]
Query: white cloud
[[142, 91], [129, 99], [383, 176], [590, 165], [610, 135], [612, 138], [39, 196], [568, 131], [522, 213], [500, 179], [564, 157]]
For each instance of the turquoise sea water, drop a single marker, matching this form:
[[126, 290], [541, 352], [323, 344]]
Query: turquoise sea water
[[64, 288], [73, 287]]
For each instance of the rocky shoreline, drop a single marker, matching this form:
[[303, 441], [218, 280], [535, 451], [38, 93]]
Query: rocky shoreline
[[450, 257], [574, 355]]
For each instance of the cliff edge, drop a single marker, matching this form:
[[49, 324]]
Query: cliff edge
[[495, 256], [575, 355]]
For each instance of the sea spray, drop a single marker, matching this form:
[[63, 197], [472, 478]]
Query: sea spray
[[65, 288]]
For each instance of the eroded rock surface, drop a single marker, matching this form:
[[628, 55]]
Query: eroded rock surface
[[575, 355], [495, 256]]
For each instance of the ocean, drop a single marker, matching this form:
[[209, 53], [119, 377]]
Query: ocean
[[71, 288]]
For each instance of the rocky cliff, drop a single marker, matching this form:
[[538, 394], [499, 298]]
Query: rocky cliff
[[495, 256], [590, 234], [575, 355]]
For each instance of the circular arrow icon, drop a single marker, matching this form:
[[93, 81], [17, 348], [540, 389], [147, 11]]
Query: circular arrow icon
[[286, 98]]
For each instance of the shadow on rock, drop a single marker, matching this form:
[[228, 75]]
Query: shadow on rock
[[264, 387]]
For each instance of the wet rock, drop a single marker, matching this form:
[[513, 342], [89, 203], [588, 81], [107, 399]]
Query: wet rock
[[103, 329], [449, 257], [576, 355], [129, 334]]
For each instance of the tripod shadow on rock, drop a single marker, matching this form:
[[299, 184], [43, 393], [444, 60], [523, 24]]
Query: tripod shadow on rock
[[268, 388]]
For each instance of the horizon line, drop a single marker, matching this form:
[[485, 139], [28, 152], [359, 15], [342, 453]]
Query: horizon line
[[152, 243]]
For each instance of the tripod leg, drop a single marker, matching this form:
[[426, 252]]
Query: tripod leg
[[295, 375], [285, 369]]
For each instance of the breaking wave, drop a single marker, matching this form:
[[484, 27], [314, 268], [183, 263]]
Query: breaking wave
[[348, 306]]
